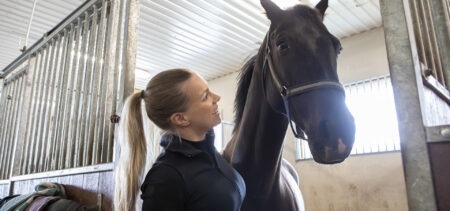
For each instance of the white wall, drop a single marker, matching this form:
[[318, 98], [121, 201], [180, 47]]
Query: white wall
[[364, 182]]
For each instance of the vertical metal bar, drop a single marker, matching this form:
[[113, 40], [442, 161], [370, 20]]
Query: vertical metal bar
[[16, 122], [437, 58], [34, 136], [8, 132], [25, 116], [42, 109], [44, 121], [418, 32], [110, 55], [441, 19], [29, 141], [112, 106], [68, 87], [60, 151], [408, 90], [93, 139], [88, 81], [58, 104], [52, 118], [4, 110], [81, 72], [126, 83], [5, 127], [73, 104], [428, 46]]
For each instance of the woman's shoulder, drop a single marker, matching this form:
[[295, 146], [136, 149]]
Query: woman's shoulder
[[162, 173]]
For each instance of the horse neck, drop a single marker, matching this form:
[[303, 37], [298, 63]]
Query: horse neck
[[259, 140]]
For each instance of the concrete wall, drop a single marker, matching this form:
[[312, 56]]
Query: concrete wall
[[363, 182]]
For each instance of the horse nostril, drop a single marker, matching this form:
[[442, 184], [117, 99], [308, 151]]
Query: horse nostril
[[341, 146]]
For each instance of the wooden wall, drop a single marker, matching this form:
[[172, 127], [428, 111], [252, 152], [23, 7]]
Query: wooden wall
[[82, 188]]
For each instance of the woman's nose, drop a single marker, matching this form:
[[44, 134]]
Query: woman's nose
[[217, 97]]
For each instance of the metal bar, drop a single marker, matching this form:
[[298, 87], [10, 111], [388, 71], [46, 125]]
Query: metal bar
[[25, 115], [4, 129], [110, 55], [2, 113], [81, 71], [441, 20], [3, 110], [92, 108], [126, 83], [89, 69], [33, 135], [418, 33], [70, 67], [428, 46], [73, 104], [93, 139], [406, 77], [51, 125], [41, 110], [6, 137], [16, 123], [62, 79], [58, 102], [65, 172], [44, 119], [29, 141], [112, 150], [435, 48], [61, 130], [10, 134]]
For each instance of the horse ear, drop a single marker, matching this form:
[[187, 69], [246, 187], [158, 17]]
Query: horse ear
[[322, 6], [272, 10]]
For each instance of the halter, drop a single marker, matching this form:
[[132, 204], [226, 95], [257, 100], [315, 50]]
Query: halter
[[287, 92]]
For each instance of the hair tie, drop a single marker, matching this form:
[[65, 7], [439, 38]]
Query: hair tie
[[142, 94]]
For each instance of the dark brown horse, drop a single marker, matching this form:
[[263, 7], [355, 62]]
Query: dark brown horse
[[291, 81]]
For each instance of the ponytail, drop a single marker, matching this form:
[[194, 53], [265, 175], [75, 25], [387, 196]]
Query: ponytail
[[132, 156]]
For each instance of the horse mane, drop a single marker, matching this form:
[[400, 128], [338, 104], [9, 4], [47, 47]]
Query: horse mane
[[245, 76]]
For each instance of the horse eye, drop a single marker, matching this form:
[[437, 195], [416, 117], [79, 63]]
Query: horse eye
[[282, 45]]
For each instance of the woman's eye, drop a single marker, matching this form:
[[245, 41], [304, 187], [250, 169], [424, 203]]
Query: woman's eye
[[282, 45]]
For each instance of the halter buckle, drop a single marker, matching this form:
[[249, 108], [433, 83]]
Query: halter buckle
[[284, 91]]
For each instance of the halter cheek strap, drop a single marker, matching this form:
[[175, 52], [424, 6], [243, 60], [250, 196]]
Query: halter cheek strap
[[287, 92]]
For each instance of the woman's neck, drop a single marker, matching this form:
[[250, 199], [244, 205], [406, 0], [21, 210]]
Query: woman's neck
[[191, 135]]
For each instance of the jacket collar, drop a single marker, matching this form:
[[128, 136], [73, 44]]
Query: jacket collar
[[175, 144]]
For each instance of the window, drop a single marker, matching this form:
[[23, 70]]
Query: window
[[372, 104]]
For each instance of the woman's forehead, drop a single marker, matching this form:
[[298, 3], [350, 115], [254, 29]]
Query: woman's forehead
[[196, 85]]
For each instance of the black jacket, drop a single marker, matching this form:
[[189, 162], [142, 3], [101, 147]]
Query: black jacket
[[192, 176]]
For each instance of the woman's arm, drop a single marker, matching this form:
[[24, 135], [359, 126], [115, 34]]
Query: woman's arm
[[163, 189]]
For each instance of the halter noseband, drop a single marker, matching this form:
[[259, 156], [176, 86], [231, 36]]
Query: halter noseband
[[287, 92]]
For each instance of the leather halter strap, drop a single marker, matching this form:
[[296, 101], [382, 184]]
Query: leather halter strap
[[287, 92]]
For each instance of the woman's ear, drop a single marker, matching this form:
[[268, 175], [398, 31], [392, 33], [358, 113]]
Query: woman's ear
[[179, 120]]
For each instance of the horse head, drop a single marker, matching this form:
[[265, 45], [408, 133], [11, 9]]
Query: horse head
[[300, 79]]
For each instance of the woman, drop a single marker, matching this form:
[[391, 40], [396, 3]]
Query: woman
[[189, 174]]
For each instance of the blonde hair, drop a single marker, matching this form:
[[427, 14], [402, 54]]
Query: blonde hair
[[163, 96]]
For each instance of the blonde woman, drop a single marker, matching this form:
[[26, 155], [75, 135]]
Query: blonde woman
[[189, 174]]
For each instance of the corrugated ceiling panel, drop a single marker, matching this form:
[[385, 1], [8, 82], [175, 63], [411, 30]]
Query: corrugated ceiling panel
[[15, 15], [215, 37]]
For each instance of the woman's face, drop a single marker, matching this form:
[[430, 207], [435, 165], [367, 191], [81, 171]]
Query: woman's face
[[202, 110]]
